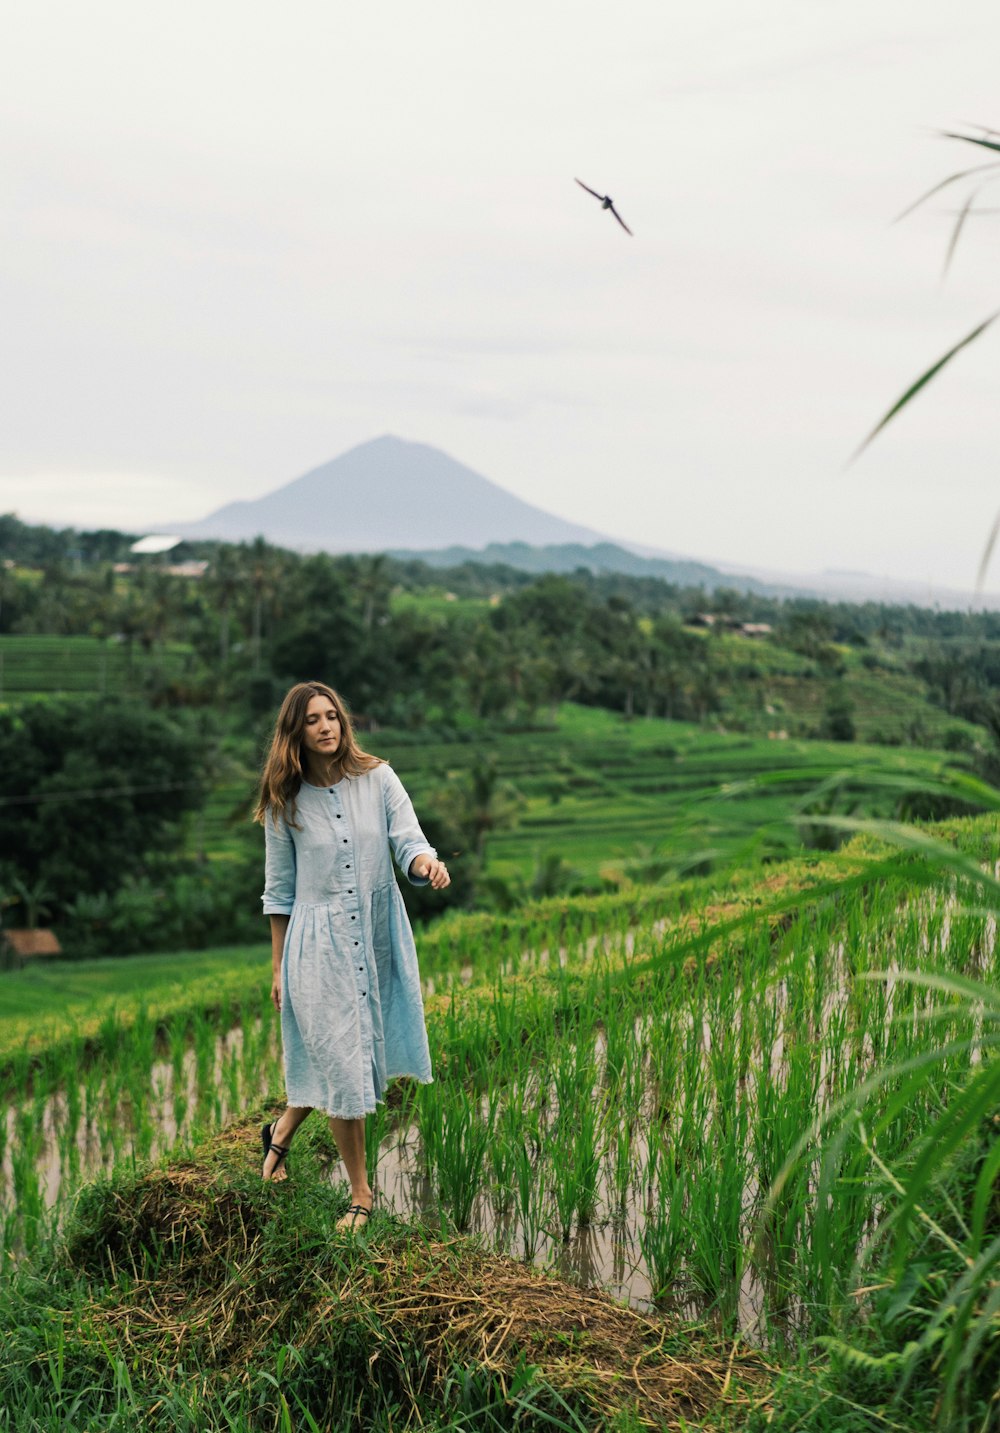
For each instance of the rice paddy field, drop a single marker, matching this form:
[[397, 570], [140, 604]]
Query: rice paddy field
[[660, 1179], [787, 692], [619, 801], [49, 666], [622, 799]]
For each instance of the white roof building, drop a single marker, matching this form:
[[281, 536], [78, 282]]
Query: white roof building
[[155, 542]]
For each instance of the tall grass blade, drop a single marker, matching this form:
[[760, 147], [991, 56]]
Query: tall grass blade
[[924, 379], [973, 139], [984, 561], [963, 214], [943, 184]]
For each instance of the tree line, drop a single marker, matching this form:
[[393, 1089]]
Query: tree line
[[262, 615], [93, 801]]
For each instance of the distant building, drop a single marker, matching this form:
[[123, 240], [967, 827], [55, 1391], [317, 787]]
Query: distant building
[[29, 944], [756, 629], [193, 568], [155, 544]]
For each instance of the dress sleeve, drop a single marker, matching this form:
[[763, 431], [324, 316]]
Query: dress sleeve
[[405, 836], [279, 868]]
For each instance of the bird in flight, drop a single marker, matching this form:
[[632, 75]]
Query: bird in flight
[[606, 203]]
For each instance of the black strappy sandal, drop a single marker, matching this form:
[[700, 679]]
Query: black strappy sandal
[[271, 1148], [356, 1209]]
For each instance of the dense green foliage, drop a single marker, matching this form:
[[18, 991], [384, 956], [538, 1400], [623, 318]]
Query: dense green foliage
[[88, 790], [466, 688], [409, 643], [591, 803]]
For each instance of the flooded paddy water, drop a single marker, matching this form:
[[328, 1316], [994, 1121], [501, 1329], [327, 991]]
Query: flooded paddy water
[[78, 1137], [618, 1126]]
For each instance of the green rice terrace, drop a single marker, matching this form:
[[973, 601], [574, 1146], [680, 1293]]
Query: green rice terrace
[[46, 666], [706, 1154], [765, 690], [619, 801], [629, 800]]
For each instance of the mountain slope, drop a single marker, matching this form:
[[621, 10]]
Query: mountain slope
[[597, 557], [388, 494], [412, 500]]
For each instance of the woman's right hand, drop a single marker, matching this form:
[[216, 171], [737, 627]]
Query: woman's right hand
[[279, 929]]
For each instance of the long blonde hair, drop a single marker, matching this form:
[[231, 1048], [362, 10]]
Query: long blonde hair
[[284, 768]]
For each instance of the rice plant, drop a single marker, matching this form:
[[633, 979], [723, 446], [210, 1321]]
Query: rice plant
[[694, 1073], [531, 1193], [466, 1133], [665, 1232], [376, 1129], [621, 1161]]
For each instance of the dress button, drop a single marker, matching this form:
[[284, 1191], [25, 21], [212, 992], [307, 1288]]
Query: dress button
[[345, 840], [338, 815], [356, 944], [347, 868], [353, 918]]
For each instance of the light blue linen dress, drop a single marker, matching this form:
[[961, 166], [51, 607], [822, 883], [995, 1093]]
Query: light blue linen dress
[[352, 1017]]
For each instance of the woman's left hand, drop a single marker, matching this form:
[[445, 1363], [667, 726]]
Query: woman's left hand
[[430, 868]]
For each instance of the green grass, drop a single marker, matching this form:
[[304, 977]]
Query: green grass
[[53, 1007], [437, 602], [50, 1003], [888, 707], [193, 1297], [72, 987]]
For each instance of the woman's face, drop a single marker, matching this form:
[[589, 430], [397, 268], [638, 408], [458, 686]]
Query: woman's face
[[321, 733]]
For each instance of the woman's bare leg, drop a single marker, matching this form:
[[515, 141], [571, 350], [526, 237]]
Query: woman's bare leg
[[281, 1133], [350, 1140]]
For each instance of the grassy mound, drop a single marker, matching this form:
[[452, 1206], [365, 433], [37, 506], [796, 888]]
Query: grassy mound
[[195, 1296]]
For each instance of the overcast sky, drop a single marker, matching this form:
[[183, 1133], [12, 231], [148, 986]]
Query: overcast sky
[[241, 238]]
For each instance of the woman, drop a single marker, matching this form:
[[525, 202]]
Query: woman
[[344, 967]]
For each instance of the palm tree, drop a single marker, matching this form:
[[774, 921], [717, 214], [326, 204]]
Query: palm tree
[[373, 588], [479, 802], [222, 583], [263, 571], [34, 898]]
